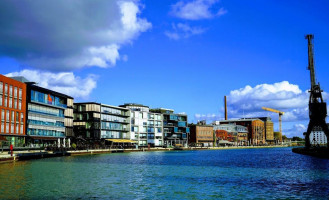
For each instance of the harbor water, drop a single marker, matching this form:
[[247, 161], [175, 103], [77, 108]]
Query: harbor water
[[264, 173]]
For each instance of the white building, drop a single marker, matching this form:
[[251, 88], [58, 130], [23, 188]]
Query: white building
[[146, 127], [317, 136]]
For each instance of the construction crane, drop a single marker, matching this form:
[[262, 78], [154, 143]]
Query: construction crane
[[317, 107], [280, 120]]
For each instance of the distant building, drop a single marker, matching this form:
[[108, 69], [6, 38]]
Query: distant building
[[201, 134], [317, 136], [13, 111], [231, 132], [269, 133], [146, 126], [174, 127], [256, 129]]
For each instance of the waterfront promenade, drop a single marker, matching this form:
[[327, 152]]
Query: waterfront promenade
[[38, 154]]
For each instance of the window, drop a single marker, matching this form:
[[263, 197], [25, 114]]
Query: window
[[15, 103], [5, 101], [10, 102], [7, 127], [12, 128], [6, 89], [11, 90], [15, 92], [0, 99], [22, 117], [20, 105], [7, 116], [20, 93], [17, 131], [21, 129], [17, 117], [12, 116], [2, 115], [1, 87], [2, 127]]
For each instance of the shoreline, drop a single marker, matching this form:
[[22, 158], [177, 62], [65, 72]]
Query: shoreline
[[40, 154]]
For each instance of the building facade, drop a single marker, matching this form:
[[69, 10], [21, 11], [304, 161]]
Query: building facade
[[48, 115], [98, 123], [237, 134], [175, 128], [269, 132], [87, 121], [13, 111], [201, 135], [317, 137], [146, 126], [255, 127]]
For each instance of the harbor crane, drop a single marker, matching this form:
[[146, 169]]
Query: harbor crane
[[280, 120], [317, 107]]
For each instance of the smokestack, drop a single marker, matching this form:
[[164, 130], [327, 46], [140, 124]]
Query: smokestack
[[225, 104]]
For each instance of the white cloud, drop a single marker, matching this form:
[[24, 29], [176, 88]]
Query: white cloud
[[63, 82], [195, 10], [63, 35], [282, 96], [181, 30]]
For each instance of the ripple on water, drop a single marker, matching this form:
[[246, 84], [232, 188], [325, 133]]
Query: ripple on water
[[229, 174]]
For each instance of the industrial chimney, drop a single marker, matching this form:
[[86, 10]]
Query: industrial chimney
[[225, 104]]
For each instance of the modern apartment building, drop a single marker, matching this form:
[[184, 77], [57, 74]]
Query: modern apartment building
[[146, 126], [201, 134], [49, 117], [101, 122], [175, 127], [13, 111]]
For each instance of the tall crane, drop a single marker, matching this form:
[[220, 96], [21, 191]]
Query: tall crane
[[280, 120], [317, 107]]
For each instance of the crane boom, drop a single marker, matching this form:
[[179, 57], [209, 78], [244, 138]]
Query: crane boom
[[280, 118], [272, 110], [310, 38]]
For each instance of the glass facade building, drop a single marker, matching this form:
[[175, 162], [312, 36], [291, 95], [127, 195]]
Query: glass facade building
[[49, 117], [95, 121], [175, 128]]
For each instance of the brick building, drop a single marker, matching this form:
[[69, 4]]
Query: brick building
[[201, 134], [13, 111]]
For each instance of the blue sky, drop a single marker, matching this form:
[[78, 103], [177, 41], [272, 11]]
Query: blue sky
[[185, 55]]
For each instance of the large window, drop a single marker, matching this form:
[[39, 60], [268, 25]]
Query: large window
[[113, 118], [113, 126], [45, 110], [47, 99], [20, 93], [43, 132]]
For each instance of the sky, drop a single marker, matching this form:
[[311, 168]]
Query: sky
[[180, 54]]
